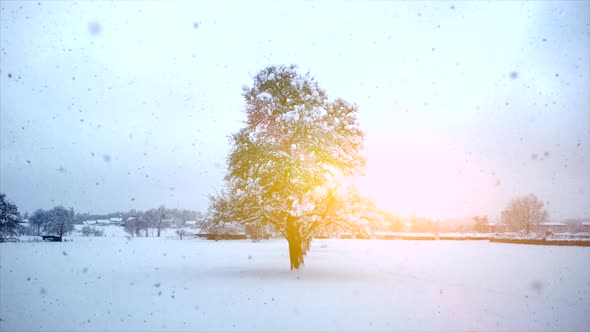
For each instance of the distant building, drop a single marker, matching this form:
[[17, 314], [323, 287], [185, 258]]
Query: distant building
[[585, 226], [116, 221], [191, 223], [103, 222], [552, 226]]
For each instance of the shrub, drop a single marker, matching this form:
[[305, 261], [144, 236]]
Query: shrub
[[89, 231]]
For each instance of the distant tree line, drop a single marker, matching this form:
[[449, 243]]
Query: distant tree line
[[60, 221], [153, 221], [523, 213], [381, 220], [57, 221]]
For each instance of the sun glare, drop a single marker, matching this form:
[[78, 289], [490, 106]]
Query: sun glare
[[425, 176]]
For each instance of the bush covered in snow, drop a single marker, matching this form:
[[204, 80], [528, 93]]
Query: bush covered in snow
[[90, 231]]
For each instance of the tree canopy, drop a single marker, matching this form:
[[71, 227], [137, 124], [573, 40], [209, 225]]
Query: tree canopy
[[60, 221], [286, 163], [9, 218], [524, 213]]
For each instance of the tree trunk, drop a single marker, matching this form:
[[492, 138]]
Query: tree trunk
[[297, 245], [306, 243]]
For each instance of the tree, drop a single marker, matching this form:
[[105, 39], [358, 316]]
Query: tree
[[9, 218], [79, 218], [481, 224], [60, 221], [393, 223], [160, 221], [149, 220], [38, 221], [199, 217], [217, 224], [257, 232], [181, 232], [524, 213], [133, 225], [184, 216], [285, 164]]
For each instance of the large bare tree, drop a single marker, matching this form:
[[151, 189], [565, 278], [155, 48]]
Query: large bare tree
[[524, 213]]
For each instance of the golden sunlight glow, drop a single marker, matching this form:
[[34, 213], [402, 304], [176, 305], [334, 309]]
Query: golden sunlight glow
[[426, 176]]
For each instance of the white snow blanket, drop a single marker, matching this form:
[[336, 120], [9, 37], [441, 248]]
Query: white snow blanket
[[149, 284]]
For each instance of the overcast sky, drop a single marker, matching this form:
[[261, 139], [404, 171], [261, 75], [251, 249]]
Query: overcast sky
[[109, 106]]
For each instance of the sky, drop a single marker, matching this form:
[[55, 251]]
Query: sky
[[109, 106]]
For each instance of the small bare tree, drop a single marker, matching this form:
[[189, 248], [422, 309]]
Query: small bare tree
[[524, 213], [181, 232]]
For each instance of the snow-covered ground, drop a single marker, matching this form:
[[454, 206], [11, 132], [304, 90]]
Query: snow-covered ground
[[164, 284]]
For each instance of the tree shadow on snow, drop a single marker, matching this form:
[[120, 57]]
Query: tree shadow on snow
[[316, 273]]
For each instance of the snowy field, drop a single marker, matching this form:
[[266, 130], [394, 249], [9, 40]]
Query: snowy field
[[163, 284]]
